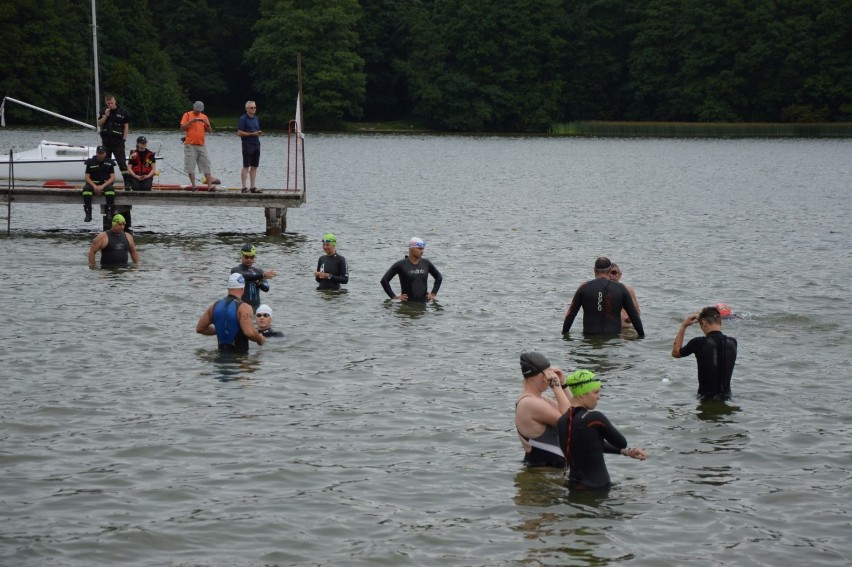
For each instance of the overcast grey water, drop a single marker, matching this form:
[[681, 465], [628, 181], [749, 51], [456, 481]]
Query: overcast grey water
[[379, 433]]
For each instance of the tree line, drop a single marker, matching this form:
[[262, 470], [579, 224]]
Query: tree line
[[452, 65]]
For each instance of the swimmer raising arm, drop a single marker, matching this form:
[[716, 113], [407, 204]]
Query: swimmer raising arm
[[678, 342]]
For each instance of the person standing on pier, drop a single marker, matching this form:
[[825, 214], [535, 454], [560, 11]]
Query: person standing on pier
[[413, 272], [195, 126], [100, 175], [115, 126], [114, 244], [248, 129], [332, 269], [143, 166]]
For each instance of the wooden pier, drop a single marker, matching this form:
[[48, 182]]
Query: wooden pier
[[274, 202]]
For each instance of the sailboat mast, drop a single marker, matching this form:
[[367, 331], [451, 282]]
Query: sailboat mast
[[95, 58]]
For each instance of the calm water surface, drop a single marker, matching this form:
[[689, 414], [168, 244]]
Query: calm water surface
[[378, 433]]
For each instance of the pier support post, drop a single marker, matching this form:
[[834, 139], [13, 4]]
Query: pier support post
[[276, 221]]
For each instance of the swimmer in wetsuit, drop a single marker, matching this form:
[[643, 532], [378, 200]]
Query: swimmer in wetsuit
[[413, 272], [536, 415], [602, 300], [230, 319], [715, 353], [254, 276], [332, 269], [264, 322], [115, 245], [585, 434]]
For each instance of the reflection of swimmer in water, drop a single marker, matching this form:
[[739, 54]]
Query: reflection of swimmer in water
[[715, 353], [585, 434], [264, 322], [536, 416], [230, 319]]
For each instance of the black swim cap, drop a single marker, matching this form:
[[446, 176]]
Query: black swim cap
[[532, 363]]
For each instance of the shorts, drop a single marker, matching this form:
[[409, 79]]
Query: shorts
[[251, 156], [195, 155]]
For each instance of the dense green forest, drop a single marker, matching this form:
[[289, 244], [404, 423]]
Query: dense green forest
[[455, 65]]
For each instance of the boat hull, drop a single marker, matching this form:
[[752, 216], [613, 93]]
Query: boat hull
[[49, 161]]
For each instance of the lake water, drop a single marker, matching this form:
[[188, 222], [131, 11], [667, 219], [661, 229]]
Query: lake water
[[379, 433]]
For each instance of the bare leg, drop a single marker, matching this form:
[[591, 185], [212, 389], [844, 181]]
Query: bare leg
[[243, 175], [252, 175], [192, 179]]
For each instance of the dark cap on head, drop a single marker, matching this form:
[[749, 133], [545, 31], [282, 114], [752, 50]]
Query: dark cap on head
[[533, 363], [100, 150], [602, 263], [141, 140]]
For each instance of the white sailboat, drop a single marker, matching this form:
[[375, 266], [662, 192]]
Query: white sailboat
[[52, 160]]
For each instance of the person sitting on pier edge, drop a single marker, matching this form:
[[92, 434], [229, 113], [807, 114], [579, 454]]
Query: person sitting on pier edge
[[602, 300], [255, 277], [264, 322], [143, 166], [114, 244], [332, 269], [100, 175], [230, 320], [115, 126], [413, 272]]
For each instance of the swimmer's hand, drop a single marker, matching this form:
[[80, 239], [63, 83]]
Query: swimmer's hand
[[635, 453], [401, 297], [555, 376], [690, 320]]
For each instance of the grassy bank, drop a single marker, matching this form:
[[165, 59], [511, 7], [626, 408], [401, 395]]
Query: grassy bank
[[703, 130]]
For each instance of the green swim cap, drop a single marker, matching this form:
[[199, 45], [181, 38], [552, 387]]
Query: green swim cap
[[118, 219], [582, 382], [329, 238]]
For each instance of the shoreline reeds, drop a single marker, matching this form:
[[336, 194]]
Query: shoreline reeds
[[703, 129]]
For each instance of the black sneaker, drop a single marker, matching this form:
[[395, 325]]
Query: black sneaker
[[256, 190]]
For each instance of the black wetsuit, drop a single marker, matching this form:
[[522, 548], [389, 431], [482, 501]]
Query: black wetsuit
[[227, 323], [270, 333], [335, 265], [254, 284], [715, 355], [413, 278], [116, 252], [584, 437], [602, 301]]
